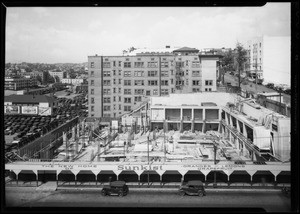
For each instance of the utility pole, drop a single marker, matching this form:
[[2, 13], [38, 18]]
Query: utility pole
[[256, 75], [148, 158]]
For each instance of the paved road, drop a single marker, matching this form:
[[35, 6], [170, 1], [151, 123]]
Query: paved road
[[251, 87], [272, 201]]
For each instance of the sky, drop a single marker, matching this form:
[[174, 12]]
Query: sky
[[71, 34]]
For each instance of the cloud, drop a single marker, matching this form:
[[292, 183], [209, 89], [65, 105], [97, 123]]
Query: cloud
[[95, 25]]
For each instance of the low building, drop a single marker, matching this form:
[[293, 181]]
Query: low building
[[59, 74], [72, 81], [29, 105]]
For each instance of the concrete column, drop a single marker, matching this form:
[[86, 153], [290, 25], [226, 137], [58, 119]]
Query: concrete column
[[74, 132], [181, 114], [193, 126], [181, 126], [230, 119], [203, 126], [238, 126], [78, 130], [117, 177], [75, 179], [203, 114], [139, 179], [244, 131], [193, 115]]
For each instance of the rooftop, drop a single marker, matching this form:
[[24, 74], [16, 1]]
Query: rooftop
[[28, 99]]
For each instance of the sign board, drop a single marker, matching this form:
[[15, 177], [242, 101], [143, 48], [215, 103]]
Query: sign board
[[29, 109], [11, 109], [114, 124], [44, 111]]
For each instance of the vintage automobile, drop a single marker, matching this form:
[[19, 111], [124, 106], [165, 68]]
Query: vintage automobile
[[115, 188], [192, 188]]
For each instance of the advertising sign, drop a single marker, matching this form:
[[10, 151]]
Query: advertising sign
[[11, 110], [29, 110], [44, 111]]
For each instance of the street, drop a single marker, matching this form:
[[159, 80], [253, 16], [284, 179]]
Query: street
[[251, 87], [271, 201]]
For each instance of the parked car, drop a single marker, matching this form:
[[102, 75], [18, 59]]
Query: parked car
[[115, 188], [270, 85], [192, 188]]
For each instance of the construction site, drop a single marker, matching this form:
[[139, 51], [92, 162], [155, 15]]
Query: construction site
[[228, 141]]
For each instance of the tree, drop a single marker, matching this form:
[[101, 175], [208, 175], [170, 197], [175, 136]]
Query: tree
[[227, 63], [240, 58], [39, 78]]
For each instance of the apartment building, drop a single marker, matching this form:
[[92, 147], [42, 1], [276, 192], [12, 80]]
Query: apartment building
[[270, 57], [76, 81], [19, 83], [119, 83]]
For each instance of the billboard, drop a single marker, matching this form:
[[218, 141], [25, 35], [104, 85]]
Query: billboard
[[44, 111], [29, 109], [11, 109]]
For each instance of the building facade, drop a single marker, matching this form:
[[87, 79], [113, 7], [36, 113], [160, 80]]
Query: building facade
[[76, 81], [270, 57], [19, 83], [59, 74], [118, 83]]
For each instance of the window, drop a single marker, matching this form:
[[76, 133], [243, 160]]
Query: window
[[179, 64], [92, 100], [138, 99], [114, 106], [152, 73], [92, 115], [180, 73], [92, 82], [196, 89], [127, 100], [164, 73], [139, 73], [119, 99], [152, 82], [164, 91], [172, 72], [119, 90], [106, 65], [127, 82], [152, 64], [180, 82], [106, 115], [106, 91], [115, 115], [127, 108], [92, 91], [186, 63], [139, 91], [195, 64], [120, 63], [127, 64], [205, 89], [148, 93], [187, 72], [114, 81], [127, 73], [209, 89], [106, 108], [92, 108], [114, 63], [120, 81], [172, 81], [114, 99], [114, 72], [196, 82], [120, 107], [196, 73], [115, 90], [92, 73], [164, 82], [208, 82], [127, 91], [138, 82], [138, 64], [164, 64], [92, 64], [155, 92], [106, 100], [106, 82], [106, 73], [119, 72]]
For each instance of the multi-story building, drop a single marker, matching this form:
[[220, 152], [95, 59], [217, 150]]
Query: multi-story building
[[59, 74], [270, 57], [118, 83], [12, 83]]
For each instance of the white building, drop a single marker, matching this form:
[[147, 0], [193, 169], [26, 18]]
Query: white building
[[72, 81], [271, 57]]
